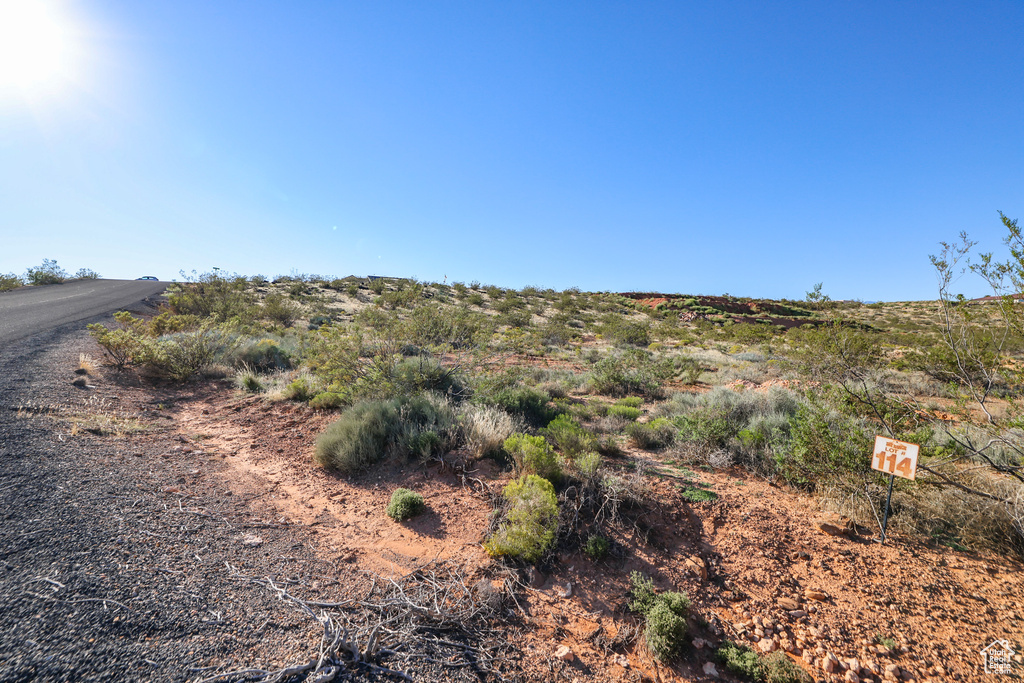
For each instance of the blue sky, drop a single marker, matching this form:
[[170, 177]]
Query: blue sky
[[753, 148]]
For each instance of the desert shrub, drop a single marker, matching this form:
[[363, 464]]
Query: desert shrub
[[569, 437], [247, 380], [533, 455], [485, 429], [630, 401], [437, 325], [778, 668], [405, 504], [359, 438], [516, 318], [261, 354], [475, 299], [633, 372], [213, 295], [664, 616], [182, 355], [277, 309], [658, 433], [318, 321], [530, 521], [328, 400], [533, 405], [125, 345], [301, 389], [425, 373], [377, 285], [824, 442], [167, 323], [49, 273], [9, 281], [626, 412], [739, 660], [86, 274], [625, 332], [557, 331], [587, 467], [596, 547]]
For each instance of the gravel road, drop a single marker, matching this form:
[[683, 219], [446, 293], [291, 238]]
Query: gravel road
[[109, 571]]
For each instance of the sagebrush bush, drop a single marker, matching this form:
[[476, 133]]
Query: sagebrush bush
[[530, 522], [369, 431], [630, 401], [533, 455], [405, 504], [262, 354], [656, 434], [328, 400]]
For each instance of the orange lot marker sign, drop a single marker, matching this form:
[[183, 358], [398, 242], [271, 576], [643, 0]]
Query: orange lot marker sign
[[897, 459]]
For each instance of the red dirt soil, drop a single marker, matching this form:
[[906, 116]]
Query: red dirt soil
[[745, 555]]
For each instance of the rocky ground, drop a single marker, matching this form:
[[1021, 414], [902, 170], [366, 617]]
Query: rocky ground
[[149, 533]]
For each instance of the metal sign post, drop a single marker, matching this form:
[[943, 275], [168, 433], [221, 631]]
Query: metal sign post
[[897, 459]]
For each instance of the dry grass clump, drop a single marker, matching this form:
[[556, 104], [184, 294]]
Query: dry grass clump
[[87, 365], [485, 429]]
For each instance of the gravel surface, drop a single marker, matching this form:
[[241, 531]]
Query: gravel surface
[[121, 556]]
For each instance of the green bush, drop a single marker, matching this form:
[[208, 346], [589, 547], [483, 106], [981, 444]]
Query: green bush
[[778, 668], [86, 274], [183, 355], [533, 455], [627, 412], [569, 437], [739, 660], [49, 273], [213, 295], [625, 332], [665, 632], [10, 281], [533, 405], [632, 372], [277, 309], [653, 435], [301, 390], [328, 400], [596, 547], [630, 401], [530, 522], [664, 616], [405, 504]]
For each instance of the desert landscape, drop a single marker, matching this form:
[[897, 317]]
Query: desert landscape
[[386, 479]]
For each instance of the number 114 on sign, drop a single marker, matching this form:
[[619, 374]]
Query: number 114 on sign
[[895, 457]]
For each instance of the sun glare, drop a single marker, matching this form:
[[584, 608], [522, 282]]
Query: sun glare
[[36, 48]]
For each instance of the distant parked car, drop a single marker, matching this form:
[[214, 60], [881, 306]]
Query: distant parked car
[[147, 277]]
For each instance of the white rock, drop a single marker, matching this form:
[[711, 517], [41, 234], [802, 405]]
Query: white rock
[[564, 653], [710, 670]]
